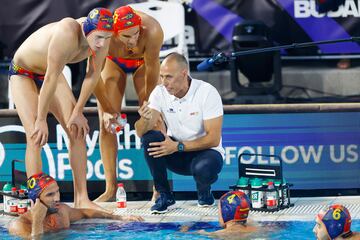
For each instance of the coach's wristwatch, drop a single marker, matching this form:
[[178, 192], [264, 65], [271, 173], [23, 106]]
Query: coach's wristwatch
[[181, 147]]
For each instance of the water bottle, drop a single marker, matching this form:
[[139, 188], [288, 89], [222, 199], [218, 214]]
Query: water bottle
[[257, 195], [22, 204], [24, 188], [13, 202], [22, 207], [28, 201], [271, 197], [21, 193], [243, 182], [265, 182], [7, 189], [285, 193], [277, 184], [121, 121], [121, 196], [13, 191]]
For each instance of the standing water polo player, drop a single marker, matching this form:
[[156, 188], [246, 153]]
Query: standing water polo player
[[134, 49], [38, 86]]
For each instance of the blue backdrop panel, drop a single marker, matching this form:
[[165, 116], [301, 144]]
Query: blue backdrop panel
[[319, 150]]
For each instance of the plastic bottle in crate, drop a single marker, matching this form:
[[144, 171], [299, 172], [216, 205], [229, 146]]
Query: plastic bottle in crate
[[22, 205], [243, 182], [21, 193], [28, 201], [121, 196], [22, 187], [265, 182], [285, 193], [277, 184], [7, 189], [271, 197], [257, 195], [13, 201]]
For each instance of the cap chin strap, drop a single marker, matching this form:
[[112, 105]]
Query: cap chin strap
[[92, 52], [242, 222], [346, 235], [93, 55]]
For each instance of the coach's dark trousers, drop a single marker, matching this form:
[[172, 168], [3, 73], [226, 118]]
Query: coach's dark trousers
[[204, 165]]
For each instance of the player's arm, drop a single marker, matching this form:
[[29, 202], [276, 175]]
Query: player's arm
[[151, 58], [20, 227], [76, 214], [100, 94], [92, 76], [25, 228]]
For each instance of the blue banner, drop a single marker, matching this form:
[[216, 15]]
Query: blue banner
[[318, 150]]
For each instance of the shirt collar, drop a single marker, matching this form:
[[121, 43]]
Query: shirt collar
[[189, 94]]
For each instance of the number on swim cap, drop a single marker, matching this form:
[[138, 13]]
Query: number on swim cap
[[94, 13], [231, 198], [31, 183], [337, 214], [116, 16]]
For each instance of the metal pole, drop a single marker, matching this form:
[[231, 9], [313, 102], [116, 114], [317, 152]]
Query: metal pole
[[292, 46]]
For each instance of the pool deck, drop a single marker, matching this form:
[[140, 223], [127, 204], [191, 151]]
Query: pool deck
[[305, 209]]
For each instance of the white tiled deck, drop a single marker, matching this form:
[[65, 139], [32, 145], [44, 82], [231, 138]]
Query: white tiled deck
[[305, 209]]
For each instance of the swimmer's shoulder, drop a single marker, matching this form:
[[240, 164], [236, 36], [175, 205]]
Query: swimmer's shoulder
[[68, 25], [64, 210], [355, 236], [64, 206], [151, 24], [67, 30]]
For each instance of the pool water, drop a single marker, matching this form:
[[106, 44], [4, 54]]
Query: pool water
[[138, 231]]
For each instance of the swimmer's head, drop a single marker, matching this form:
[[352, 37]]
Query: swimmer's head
[[332, 222], [45, 188], [99, 19], [127, 26], [37, 183], [125, 18], [233, 206]]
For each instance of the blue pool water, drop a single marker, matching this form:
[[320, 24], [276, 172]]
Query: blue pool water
[[138, 231]]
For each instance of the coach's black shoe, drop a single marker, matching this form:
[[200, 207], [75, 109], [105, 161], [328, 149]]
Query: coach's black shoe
[[205, 199], [163, 202]]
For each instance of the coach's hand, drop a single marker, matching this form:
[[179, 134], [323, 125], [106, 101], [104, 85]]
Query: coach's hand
[[145, 112], [40, 132], [160, 149]]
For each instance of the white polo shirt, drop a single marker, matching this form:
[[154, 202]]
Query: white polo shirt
[[184, 117]]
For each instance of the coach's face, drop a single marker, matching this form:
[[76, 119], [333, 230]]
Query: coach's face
[[174, 78]]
